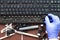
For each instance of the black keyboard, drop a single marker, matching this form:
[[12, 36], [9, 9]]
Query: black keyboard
[[27, 11]]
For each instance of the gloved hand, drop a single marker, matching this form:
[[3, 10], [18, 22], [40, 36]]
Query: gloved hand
[[52, 28]]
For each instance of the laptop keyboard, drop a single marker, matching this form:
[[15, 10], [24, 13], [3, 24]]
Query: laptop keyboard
[[21, 11]]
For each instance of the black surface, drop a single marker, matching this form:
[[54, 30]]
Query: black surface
[[11, 31]]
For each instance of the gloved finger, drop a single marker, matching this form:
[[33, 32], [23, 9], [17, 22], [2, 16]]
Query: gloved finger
[[47, 20], [53, 17], [57, 19], [59, 26]]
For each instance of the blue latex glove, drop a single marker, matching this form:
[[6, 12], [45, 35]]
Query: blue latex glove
[[52, 28]]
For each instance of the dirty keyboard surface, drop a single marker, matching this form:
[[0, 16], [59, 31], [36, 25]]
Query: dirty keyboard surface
[[27, 11]]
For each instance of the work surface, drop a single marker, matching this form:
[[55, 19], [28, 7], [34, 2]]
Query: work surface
[[19, 36]]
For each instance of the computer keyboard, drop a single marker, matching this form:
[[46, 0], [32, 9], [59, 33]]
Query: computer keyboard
[[27, 11], [22, 7]]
